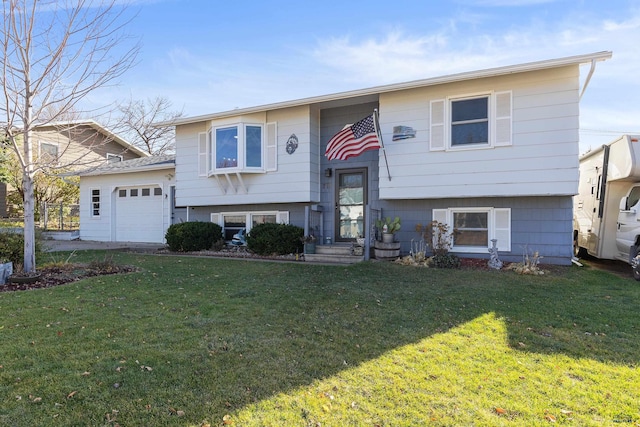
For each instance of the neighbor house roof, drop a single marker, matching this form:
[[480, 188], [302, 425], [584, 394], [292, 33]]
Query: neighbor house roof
[[97, 127], [492, 72], [167, 161]]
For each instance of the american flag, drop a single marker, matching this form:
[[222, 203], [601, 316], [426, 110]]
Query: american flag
[[353, 140]]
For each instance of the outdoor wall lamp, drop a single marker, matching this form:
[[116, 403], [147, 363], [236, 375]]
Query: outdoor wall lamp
[[328, 172]]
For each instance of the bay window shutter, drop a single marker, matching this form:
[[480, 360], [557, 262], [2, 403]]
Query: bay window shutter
[[502, 228], [272, 147], [282, 217], [437, 125], [503, 118], [202, 154]]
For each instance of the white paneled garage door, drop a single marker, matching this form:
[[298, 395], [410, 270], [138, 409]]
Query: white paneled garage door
[[138, 214]]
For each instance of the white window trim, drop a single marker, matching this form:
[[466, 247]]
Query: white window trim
[[441, 121], [53, 144], [282, 217], [499, 231], [111, 156], [242, 149], [91, 214]]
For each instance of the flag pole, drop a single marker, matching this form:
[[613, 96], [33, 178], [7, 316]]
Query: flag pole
[[377, 126]]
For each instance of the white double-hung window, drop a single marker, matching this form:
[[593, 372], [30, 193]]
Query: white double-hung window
[[473, 228], [471, 122]]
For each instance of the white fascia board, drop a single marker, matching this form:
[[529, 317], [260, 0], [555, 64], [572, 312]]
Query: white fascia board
[[98, 172], [491, 72]]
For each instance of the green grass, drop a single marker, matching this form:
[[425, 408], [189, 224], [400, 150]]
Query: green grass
[[196, 341]]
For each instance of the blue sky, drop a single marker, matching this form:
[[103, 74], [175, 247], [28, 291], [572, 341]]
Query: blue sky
[[208, 55]]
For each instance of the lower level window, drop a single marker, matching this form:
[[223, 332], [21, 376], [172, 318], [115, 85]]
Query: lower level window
[[472, 229], [233, 222]]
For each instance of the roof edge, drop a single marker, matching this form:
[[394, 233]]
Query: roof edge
[[468, 75]]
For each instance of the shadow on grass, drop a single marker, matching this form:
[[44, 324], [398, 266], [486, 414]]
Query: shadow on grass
[[223, 334], [266, 328]]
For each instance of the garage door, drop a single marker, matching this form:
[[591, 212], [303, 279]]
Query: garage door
[[139, 215]]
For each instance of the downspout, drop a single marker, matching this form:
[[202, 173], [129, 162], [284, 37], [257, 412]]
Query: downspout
[[586, 82]]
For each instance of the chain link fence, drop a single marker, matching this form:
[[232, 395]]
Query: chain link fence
[[60, 217]]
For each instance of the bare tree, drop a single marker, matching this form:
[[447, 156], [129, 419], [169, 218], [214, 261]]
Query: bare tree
[[138, 124], [54, 53]]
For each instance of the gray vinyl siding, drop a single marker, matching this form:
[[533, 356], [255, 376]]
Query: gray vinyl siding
[[542, 224], [333, 121], [203, 213]]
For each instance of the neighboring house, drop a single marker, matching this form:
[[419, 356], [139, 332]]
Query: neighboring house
[[491, 153], [129, 201], [83, 144]]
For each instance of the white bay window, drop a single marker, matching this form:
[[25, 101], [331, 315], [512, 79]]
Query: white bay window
[[237, 148]]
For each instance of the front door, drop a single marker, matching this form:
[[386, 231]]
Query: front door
[[351, 199]]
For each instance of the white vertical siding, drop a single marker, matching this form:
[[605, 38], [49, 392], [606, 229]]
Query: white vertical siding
[[103, 229]]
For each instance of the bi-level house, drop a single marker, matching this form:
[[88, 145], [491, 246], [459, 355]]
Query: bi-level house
[[492, 153]]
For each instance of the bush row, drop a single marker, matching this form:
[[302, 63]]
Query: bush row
[[264, 239]]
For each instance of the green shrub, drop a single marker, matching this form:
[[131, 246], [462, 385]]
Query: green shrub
[[445, 260], [12, 248], [193, 236], [279, 239]]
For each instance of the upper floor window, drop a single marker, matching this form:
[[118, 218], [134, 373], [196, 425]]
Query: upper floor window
[[471, 122], [237, 147], [113, 158], [48, 151]]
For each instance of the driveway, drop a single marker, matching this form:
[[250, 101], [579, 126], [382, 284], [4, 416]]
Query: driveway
[[85, 245]]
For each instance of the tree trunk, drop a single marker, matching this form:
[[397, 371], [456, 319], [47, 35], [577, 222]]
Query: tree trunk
[[29, 264]]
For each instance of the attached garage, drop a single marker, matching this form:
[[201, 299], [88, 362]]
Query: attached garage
[[139, 214], [127, 201]]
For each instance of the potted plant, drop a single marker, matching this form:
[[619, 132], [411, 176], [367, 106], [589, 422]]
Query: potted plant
[[388, 228], [309, 244], [387, 248]]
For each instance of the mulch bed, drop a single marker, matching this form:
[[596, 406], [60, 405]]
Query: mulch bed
[[68, 273]]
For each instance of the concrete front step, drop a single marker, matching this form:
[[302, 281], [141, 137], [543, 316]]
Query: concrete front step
[[334, 254]]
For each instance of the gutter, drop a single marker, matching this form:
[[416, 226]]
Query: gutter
[[492, 72], [588, 79]]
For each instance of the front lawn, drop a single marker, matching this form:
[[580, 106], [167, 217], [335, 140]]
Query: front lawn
[[197, 341]]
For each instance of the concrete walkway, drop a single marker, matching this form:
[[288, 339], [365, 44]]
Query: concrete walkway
[[85, 245]]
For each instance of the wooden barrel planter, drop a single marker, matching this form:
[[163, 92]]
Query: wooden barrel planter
[[386, 251]]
